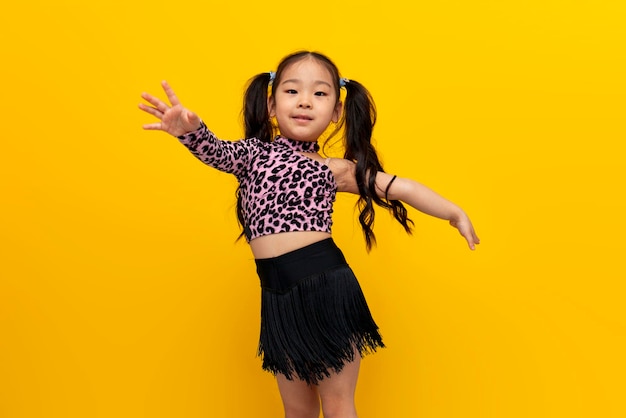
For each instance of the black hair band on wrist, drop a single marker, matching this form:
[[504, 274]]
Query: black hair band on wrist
[[388, 186]]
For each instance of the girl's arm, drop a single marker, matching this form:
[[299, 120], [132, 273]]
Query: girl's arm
[[176, 120], [410, 192]]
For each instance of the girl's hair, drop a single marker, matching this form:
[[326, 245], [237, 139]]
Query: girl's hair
[[358, 118]]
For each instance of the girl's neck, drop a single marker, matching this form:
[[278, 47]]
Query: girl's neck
[[299, 146]]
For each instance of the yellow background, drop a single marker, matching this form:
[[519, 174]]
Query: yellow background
[[123, 294]]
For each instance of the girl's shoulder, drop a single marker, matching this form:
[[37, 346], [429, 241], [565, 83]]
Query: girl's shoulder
[[344, 172]]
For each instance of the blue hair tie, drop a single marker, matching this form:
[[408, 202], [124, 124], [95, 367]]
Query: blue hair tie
[[343, 82], [272, 76]]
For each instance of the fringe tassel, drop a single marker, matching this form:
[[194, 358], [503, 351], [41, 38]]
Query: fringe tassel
[[316, 327]]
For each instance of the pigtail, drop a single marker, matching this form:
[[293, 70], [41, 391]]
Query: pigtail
[[257, 124], [359, 121], [256, 116]]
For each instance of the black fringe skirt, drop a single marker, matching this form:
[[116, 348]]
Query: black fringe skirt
[[314, 317]]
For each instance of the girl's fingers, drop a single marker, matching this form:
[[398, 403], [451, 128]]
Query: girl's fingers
[[473, 241], [151, 110], [150, 99], [467, 231], [171, 96], [193, 118], [157, 103], [153, 126]]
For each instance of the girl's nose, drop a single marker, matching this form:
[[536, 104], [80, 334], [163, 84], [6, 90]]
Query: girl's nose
[[304, 104]]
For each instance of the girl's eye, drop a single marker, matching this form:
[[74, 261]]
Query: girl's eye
[[321, 93], [291, 91]]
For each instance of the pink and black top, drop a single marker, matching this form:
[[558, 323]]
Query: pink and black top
[[281, 189]]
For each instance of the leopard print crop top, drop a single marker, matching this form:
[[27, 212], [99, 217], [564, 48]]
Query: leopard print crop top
[[281, 189]]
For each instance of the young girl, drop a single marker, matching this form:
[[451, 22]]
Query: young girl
[[315, 323]]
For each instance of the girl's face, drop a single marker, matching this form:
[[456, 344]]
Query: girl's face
[[305, 101]]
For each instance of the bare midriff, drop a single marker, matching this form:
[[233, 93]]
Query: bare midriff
[[273, 245]]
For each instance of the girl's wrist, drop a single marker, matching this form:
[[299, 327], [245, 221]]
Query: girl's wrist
[[192, 132], [457, 215]]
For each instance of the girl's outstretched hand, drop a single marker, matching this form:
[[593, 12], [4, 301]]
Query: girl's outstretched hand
[[466, 229], [174, 118]]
